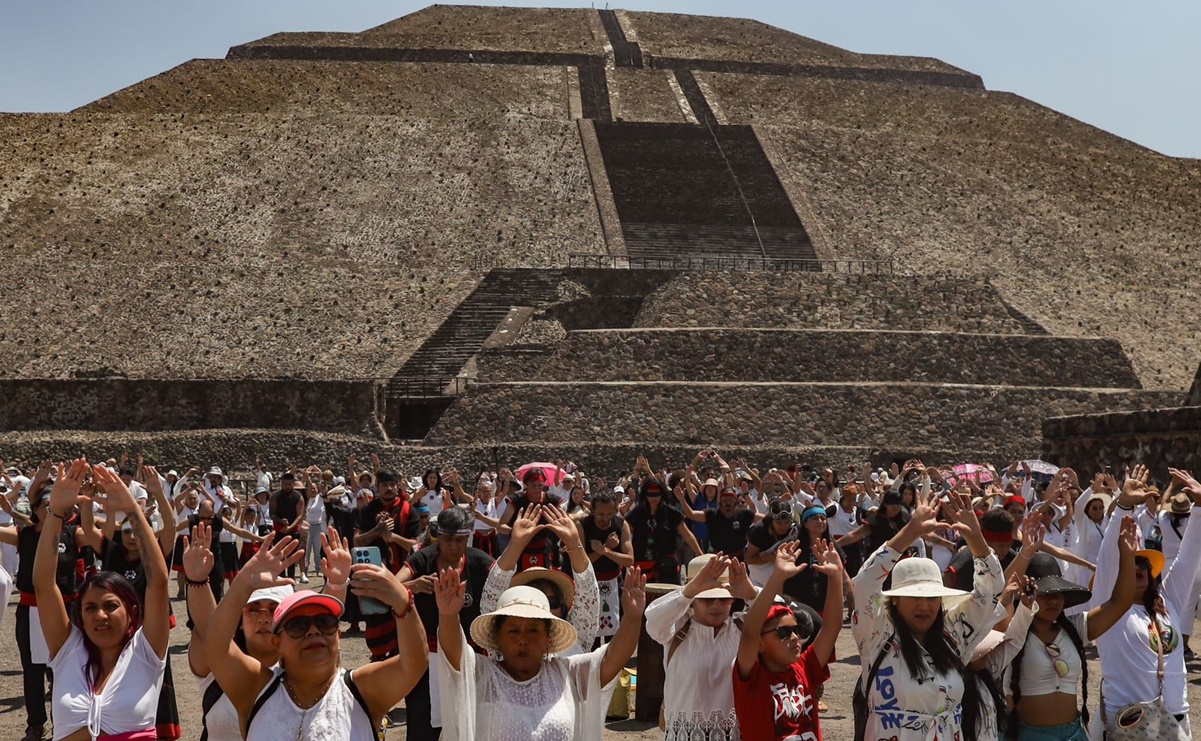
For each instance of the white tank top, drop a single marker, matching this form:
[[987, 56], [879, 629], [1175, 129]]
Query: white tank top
[[338, 716], [222, 719]]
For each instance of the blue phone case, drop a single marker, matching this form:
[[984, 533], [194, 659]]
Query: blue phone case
[[367, 605]]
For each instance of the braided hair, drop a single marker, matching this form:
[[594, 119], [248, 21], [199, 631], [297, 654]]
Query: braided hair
[[944, 655], [1015, 678]]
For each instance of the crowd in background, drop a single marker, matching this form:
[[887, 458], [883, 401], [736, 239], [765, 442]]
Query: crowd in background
[[507, 602]]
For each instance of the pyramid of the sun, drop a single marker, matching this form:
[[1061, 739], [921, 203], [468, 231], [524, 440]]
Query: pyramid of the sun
[[322, 231]]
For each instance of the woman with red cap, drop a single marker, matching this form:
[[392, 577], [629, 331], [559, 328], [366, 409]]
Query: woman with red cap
[[308, 695]]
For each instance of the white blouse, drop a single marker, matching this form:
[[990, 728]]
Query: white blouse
[[563, 702], [127, 703], [902, 707], [698, 693]]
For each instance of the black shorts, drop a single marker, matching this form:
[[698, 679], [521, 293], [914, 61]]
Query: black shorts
[[229, 557]]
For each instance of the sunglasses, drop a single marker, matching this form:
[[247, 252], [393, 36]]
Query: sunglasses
[[784, 631], [298, 627], [1061, 666]]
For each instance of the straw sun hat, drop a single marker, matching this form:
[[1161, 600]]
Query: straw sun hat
[[722, 590], [921, 577], [522, 602]]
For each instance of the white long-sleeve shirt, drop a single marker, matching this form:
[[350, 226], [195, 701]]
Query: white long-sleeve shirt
[[698, 694], [899, 705], [1129, 659]]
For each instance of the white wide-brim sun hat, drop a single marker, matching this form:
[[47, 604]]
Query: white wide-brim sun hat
[[522, 602], [722, 591], [921, 577]]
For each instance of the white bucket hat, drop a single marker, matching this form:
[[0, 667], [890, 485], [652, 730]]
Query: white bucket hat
[[921, 577], [523, 602], [719, 592], [271, 594], [216, 471]]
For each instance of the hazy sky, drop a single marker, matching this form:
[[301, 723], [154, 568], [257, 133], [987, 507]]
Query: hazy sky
[[1128, 67]]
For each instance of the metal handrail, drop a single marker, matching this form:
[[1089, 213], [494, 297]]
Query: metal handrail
[[427, 386], [734, 262]]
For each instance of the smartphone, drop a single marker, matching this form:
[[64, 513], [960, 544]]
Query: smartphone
[[367, 605]]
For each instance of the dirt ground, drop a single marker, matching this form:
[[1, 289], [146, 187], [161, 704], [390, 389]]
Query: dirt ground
[[836, 724]]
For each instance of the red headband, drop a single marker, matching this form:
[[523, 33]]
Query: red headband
[[998, 536], [776, 611]]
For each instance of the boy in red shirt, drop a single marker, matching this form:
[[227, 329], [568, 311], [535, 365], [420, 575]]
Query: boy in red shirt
[[775, 682]]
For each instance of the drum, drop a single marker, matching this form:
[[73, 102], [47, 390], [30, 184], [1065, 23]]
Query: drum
[[650, 664]]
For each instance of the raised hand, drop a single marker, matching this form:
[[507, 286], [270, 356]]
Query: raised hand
[[709, 576], [153, 484], [786, 560], [633, 593], [67, 483], [964, 517], [740, 581], [561, 524], [1128, 541], [118, 497], [197, 556], [335, 567], [1136, 480], [1032, 538], [1187, 483], [828, 560], [263, 569], [449, 593], [527, 523], [369, 581], [1026, 588], [924, 518]]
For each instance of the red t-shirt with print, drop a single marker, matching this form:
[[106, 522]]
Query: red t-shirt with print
[[780, 705]]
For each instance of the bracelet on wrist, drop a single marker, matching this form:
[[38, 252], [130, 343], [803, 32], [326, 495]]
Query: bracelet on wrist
[[55, 514], [337, 585], [203, 583], [408, 608]]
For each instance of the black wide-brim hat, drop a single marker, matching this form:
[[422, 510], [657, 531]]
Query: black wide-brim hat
[[1044, 569]]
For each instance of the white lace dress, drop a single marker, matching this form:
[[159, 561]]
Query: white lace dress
[[564, 702]]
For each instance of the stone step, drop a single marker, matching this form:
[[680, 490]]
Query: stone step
[[832, 356], [884, 415]]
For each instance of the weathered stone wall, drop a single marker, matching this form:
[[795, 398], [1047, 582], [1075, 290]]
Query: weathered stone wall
[[1194, 394], [827, 301], [145, 405], [1075, 226], [817, 355], [868, 415], [1158, 438], [236, 450], [745, 40]]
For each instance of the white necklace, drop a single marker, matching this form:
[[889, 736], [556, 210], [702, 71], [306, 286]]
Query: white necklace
[[304, 711]]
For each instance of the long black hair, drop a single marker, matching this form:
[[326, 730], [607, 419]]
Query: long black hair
[[1015, 678], [944, 655]]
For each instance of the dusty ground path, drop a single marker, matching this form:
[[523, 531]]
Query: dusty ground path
[[836, 724]]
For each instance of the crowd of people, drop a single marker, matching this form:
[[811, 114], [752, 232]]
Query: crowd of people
[[507, 605]]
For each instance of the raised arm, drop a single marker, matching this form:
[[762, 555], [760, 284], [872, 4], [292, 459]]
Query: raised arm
[[241, 677], [625, 640], [1178, 581], [52, 612], [752, 625], [384, 684], [154, 487], [156, 612], [1103, 617], [197, 565], [686, 507], [449, 592], [830, 564]]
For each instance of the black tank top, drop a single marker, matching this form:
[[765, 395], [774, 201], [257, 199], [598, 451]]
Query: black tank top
[[66, 575], [603, 566]]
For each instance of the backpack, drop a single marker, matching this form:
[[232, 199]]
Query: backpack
[[859, 707]]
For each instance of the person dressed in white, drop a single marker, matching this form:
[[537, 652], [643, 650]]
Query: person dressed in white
[[700, 639], [528, 692], [919, 634], [1091, 515], [1130, 651]]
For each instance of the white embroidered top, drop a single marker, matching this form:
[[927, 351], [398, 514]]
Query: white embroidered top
[[564, 702], [698, 693]]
